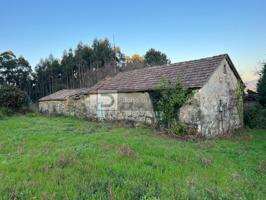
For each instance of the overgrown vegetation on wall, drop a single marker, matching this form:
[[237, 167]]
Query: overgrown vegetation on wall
[[167, 100], [240, 101]]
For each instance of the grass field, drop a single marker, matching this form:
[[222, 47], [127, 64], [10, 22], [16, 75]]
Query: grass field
[[67, 158]]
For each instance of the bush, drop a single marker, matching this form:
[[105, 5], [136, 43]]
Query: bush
[[255, 117], [2, 115], [179, 129], [14, 99], [167, 101], [5, 112]]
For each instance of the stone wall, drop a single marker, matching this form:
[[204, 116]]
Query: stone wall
[[109, 106], [53, 107], [213, 109], [120, 106], [69, 107]]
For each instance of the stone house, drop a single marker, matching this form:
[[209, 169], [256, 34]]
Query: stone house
[[214, 109], [63, 102]]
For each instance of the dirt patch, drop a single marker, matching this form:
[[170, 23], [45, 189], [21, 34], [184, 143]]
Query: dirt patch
[[2, 146], [247, 138], [262, 166], [125, 150]]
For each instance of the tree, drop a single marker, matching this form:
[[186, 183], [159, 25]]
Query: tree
[[102, 52], [49, 76], [8, 63], [135, 58], [83, 59], [261, 87], [154, 57], [15, 71], [68, 66]]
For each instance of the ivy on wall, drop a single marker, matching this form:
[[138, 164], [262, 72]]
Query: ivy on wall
[[240, 101], [167, 100]]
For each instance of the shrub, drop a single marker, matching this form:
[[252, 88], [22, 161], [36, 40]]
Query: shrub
[[5, 112], [12, 98], [255, 117], [2, 115], [167, 101], [179, 129], [262, 86]]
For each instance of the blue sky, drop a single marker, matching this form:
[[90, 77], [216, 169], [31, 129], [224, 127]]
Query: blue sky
[[182, 29]]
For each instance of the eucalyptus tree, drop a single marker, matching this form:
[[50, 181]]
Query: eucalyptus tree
[[102, 52], [83, 60]]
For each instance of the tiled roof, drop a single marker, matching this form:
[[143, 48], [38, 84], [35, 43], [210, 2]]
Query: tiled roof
[[64, 94], [191, 74]]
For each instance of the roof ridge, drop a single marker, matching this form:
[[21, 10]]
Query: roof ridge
[[198, 59], [176, 63]]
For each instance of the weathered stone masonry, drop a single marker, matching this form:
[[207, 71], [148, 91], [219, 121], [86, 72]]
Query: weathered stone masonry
[[134, 109], [213, 108]]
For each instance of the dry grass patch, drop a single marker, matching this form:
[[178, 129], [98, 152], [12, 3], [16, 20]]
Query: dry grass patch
[[66, 160], [262, 166], [204, 160], [125, 150]]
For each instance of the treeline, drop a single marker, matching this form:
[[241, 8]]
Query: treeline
[[255, 106], [77, 68]]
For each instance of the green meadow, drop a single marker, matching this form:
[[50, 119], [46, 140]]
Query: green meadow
[[45, 157]]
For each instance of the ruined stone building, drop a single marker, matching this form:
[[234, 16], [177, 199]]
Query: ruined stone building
[[214, 109]]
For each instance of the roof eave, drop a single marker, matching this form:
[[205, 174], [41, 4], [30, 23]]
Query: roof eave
[[131, 91], [42, 100]]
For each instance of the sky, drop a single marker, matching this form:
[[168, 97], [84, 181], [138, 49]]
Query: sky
[[184, 30]]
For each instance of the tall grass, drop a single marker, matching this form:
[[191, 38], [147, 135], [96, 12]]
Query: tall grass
[[66, 158]]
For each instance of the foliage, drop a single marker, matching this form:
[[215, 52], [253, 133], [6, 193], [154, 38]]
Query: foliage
[[135, 58], [154, 57], [169, 99], [5, 112], [78, 68], [13, 98], [2, 115], [15, 71], [178, 129], [255, 117], [67, 158], [240, 101], [102, 52], [261, 87]]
